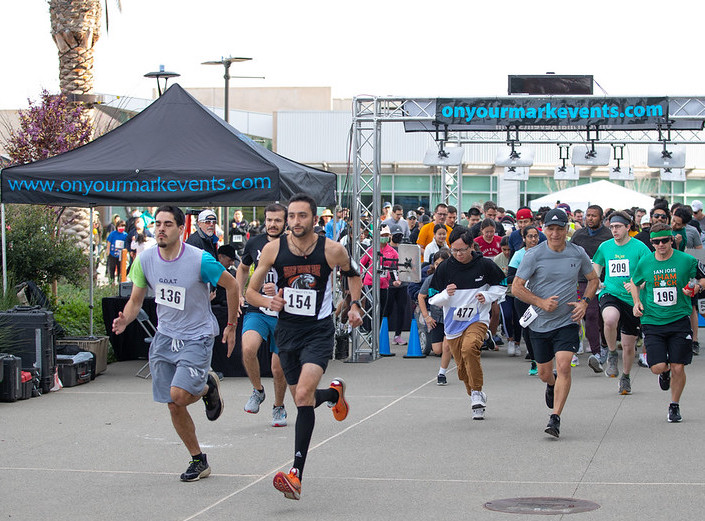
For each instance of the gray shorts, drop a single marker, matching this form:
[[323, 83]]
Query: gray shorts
[[179, 363]]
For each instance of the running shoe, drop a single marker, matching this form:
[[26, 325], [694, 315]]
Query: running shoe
[[696, 347], [398, 340], [575, 361], [498, 340], [674, 413], [197, 469], [642, 360], [510, 348], [534, 370], [554, 426], [212, 399], [489, 344], [278, 416], [340, 408], [625, 384], [442, 379], [478, 399], [289, 484], [604, 350], [517, 349], [581, 349], [594, 364], [664, 380], [252, 405], [612, 371]]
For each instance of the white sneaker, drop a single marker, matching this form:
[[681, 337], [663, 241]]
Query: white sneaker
[[642, 360], [517, 349], [575, 361], [581, 349], [478, 399], [510, 349]]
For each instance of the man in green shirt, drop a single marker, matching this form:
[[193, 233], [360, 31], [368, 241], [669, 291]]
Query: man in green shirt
[[620, 256], [665, 310]]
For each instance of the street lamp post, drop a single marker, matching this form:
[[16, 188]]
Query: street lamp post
[[226, 62], [161, 73]]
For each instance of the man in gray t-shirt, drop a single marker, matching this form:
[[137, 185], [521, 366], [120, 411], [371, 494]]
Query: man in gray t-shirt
[[547, 279]]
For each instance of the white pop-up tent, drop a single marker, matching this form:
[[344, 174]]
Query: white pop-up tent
[[604, 193]]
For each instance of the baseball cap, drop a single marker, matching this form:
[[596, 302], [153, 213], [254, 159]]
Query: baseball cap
[[387, 205], [411, 214], [384, 230], [645, 219], [395, 228], [564, 206], [556, 216], [420, 209], [206, 215], [696, 205], [228, 251], [525, 213]]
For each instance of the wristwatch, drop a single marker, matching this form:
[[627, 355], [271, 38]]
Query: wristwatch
[[356, 302], [586, 299]]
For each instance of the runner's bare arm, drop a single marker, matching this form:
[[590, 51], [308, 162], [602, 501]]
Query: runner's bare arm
[[266, 261], [132, 307]]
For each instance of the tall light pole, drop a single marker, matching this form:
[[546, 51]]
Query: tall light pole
[[226, 62], [161, 73]]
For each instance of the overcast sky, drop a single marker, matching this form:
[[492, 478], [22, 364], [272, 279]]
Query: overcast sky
[[380, 47]]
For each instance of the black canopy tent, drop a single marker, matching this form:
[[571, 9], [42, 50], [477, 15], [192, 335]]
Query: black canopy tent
[[175, 151]]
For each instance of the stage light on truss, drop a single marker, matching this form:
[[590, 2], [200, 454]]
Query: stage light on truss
[[622, 173], [566, 173], [672, 174], [516, 173], [448, 156], [523, 157], [662, 156], [586, 155]]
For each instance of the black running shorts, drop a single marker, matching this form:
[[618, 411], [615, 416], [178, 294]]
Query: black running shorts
[[628, 323], [301, 344], [669, 343], [547, 344]]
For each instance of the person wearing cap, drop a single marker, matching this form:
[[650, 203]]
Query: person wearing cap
[[698, 213], [618, 257], [658, 214], [238, 231], [590, 237], [439, 217], [662, 299], [525, 217], [397, 219], [414, 228], [326, 217], [551, 269], [388, 258], [338, 222], [386, 211], [204, 237]]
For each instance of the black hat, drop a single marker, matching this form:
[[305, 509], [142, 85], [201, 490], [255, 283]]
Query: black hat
[[556, 216], [228, 250]]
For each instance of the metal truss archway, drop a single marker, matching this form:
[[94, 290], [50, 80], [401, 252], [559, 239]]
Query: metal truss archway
[[369, 113]]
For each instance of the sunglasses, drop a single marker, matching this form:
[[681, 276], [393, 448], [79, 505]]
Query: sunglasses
[[660, 216], [661, 241]]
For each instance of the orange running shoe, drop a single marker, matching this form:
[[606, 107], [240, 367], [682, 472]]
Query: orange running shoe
[[289, 484], [340, 408]]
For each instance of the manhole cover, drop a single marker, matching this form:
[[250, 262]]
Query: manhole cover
[[547, 506]]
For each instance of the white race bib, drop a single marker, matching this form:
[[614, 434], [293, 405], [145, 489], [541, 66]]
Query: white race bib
[[300, 301], [171, 296], [618, 268], [528, 317], [463, 314], [238, 238], [119, 244], [701, 306], [667, 296]]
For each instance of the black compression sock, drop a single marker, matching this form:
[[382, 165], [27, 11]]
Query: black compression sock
[[305, 420], [326, 395]]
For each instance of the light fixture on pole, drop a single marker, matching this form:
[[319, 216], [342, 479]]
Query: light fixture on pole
[[227, 62], [565, 172], [619, 173], [161, 73]]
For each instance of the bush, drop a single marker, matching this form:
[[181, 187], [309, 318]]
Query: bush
[[72, 311], [35, 250]]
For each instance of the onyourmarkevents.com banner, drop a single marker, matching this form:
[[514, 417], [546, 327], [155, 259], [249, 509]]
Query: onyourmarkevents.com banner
[[136, 189], [553, 111]]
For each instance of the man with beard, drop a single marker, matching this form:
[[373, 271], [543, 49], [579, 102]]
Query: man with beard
[[259, 322], [305, 331], [180, 353], [204, 237]]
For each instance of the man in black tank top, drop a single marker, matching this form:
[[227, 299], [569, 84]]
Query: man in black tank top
[[305, 333]]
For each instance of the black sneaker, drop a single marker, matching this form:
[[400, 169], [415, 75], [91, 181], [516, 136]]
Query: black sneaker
[[664, 380], [442, 379], [554, 426], [674, 413], [696, 348], [197, 469], [214, 403], [490, 344]]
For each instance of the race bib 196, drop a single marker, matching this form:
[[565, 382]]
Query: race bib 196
[[667, 296], [618, 268], [300, 301], [171, 296], [463, 314]]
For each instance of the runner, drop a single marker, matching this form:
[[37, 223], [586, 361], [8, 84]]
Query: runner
[[665, 311], [180, 353], [258, 323], [467, 285], [305, 332], [551, 271], [620, 255]]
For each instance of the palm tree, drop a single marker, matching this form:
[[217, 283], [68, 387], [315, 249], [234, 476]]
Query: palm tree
[[75, 28]]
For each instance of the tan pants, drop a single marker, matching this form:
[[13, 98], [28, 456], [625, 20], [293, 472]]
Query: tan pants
[[466, 353]]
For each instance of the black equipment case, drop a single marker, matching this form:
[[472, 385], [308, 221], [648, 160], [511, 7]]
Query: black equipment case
[[30, 332], [75, 369], [10, 378]]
